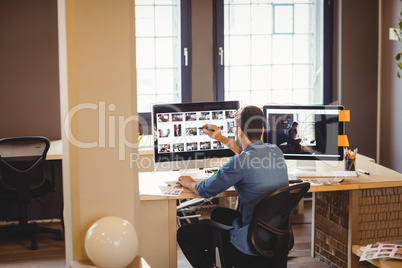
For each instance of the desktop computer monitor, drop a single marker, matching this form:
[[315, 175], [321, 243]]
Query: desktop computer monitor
[[180, 143], [305, 132]]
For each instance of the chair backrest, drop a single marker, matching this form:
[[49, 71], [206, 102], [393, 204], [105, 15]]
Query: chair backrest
[[23, 158], [269, 231]]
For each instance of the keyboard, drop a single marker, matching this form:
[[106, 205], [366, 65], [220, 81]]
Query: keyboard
[[325, 174], [323, 181]]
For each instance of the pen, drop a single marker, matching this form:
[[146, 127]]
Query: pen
[[363, 171], [208, 129]]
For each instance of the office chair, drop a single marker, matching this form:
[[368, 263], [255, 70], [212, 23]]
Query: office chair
[[23, 176], [269, 234]]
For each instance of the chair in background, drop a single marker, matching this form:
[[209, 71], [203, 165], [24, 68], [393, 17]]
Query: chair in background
[[270, 233], [23, 176]]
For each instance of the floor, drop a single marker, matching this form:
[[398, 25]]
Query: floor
[[15, 253]]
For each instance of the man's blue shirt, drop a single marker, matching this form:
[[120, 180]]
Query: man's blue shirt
[[258, 170]]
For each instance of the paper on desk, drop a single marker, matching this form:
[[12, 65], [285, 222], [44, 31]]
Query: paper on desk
[[160, 190], [380, 250], [170, 191], [154, 183]]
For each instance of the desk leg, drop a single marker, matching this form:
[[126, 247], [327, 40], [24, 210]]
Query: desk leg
[[158, 233], [172, 233], [353, 233], [312, 226]]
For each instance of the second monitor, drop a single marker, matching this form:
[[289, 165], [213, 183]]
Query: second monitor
[[305, 132]]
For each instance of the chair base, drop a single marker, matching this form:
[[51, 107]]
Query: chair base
[[27, 232]]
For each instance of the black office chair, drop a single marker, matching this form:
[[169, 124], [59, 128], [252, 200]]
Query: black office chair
[[23, 176], [269, 235]]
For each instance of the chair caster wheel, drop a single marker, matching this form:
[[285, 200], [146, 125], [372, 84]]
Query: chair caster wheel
[[59, 237], [34, 245]]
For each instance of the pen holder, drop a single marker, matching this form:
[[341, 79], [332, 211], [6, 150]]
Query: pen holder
[[350, 164]]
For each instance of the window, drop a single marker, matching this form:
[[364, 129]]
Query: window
[[266, 51], [273, 51], [158, 45]]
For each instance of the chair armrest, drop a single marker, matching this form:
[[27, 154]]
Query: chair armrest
[[217, 225]]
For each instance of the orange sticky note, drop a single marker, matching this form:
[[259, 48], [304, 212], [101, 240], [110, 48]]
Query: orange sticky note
[[344, 116], [343, 140]]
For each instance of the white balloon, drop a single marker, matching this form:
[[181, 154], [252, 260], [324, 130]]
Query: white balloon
[[111, 242]]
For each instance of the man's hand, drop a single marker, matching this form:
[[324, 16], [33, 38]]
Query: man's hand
[[212, 131], [216, 134], [187, 181]]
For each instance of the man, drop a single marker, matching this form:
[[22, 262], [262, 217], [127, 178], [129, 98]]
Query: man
[[255, 171], [293, 142]]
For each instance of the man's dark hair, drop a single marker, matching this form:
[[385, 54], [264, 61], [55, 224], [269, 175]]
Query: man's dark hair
[[251, 120]]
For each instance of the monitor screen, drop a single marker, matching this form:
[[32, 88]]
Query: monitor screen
[[305, 132], [180, 143]]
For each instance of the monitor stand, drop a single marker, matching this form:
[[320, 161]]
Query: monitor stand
[[295, 166], [195, 173], [306, 165]]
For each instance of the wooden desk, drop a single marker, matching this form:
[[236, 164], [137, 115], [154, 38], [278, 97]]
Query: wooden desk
[[342, 216], [380, 177], [378, 262], [55, 151]]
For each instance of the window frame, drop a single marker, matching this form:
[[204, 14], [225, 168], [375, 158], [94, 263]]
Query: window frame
[[328, 28], [218, 42], [186, 83], [186, 42], [219, 73]]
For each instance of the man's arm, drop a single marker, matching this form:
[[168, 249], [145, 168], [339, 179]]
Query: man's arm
[[216, 134]]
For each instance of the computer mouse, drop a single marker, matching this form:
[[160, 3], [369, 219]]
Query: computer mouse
[[293, 179]]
